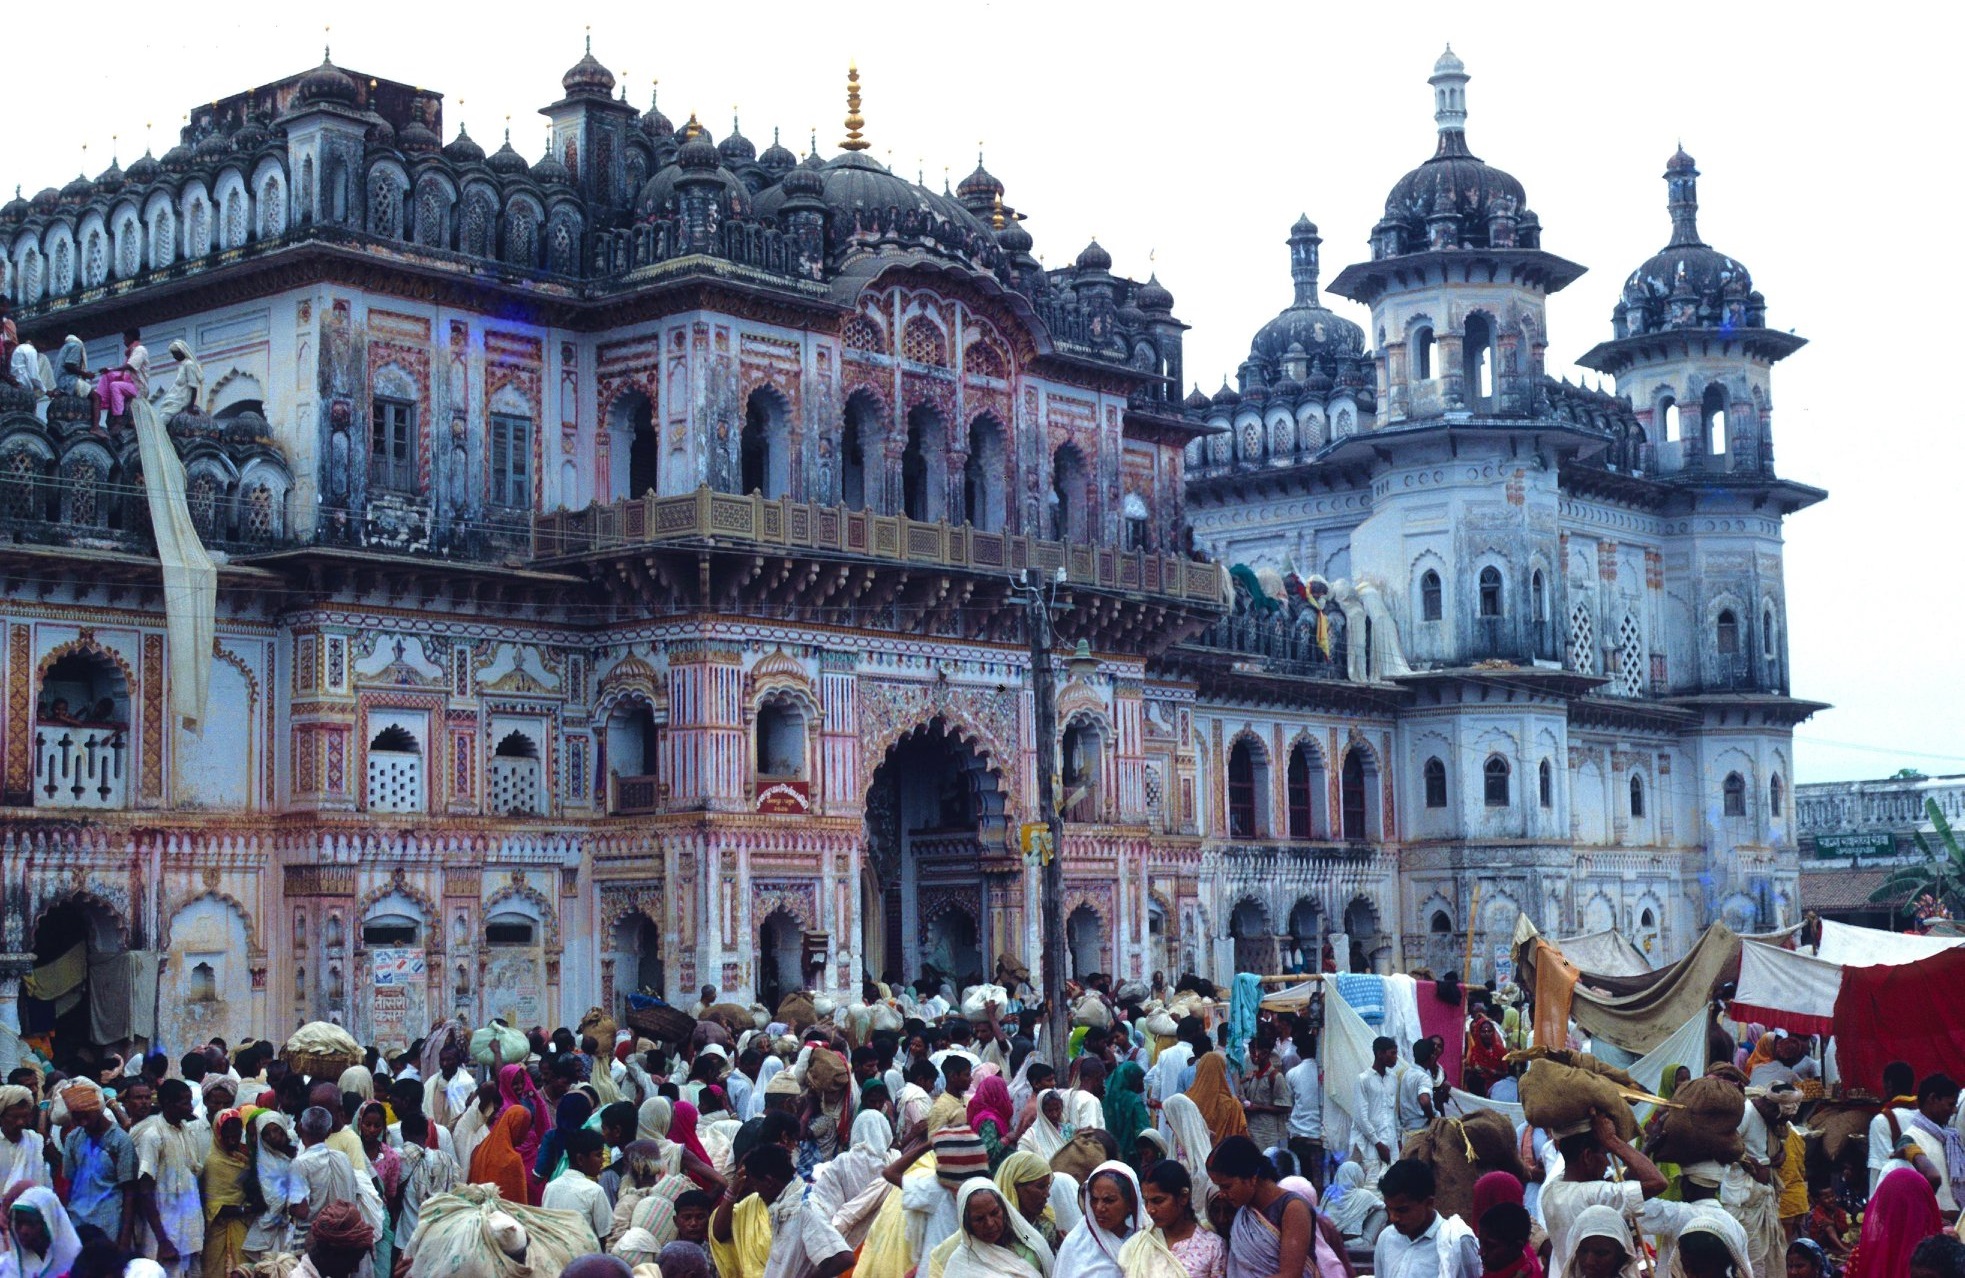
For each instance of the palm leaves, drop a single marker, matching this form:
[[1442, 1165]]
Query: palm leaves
[[1935, 884]]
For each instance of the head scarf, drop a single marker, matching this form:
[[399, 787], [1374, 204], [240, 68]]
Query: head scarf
[[1192, 1142], [1020, 1089], [651, 1223], [14, 1094], [1093, 1252], [497, 1160], [1711, 1219], [682, 1130], [754, 1103], [1901, 1213], [1125, 1107], [1668, 1081], [340, 1225], [970, 1257], [358, 1080], [1044, 1137], [1493, 1189], [1351, 1200], [1817, 1254], [683, 1260], [991, 1099], [1209, 1092], [1606, 1222], [569, 1116], [63, 1245], [652, 1119], [1021, 1167]]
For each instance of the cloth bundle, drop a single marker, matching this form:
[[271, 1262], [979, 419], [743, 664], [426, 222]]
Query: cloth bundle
[[975, 1003], [1563, 1089], [473, 1233], [499, 1044], [602, 1026], [797, 1011], [733, 1017], [1079, 1157], [1092, 1013], [1707, 1128]]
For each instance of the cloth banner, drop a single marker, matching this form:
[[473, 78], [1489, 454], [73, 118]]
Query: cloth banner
[[1345, 1053], [1448, 1021], [1851, 946], [1901, 1012], [60, 976], [1555, 991], [1608, 953], [1786, 988], [1639, 1013], [190, 579]]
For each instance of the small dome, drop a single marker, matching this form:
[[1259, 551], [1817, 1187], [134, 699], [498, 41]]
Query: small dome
[[1226, 397], [417, 138], [382, 134], [144, 169], [110, 179], [251, 135], [1455, 183], [78, 191], [178, 158], [47, 200], [506, 162], [1681, 163], [653, 123], [1320, 381], [213, 146], [1094, 258], [1448, 63], [981, 186], [1195, 399], [736, 149], [803, 183], [326, 83], [588, 76], [1014, 238], [16, 209], [1153, 296], [462, 150], [549, 171], [777, 158], [1688, 284]]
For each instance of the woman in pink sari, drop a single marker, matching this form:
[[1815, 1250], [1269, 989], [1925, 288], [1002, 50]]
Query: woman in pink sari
[[515, 1087], [1327, 1248]]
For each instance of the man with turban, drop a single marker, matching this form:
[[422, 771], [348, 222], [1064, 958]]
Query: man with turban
[[337, 1244], [99, 1159]]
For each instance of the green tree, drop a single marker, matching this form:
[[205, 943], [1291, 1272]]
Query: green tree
[[1940, 875]]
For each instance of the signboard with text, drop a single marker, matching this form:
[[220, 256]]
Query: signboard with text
[[1865, 844], [787, 798], [395, 969]]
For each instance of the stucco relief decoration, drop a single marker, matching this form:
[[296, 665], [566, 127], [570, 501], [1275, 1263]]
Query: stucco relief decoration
[[890, 710], [799, 900], [520, 890]]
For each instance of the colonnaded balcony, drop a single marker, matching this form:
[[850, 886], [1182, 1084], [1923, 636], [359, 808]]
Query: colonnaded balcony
[[711, 551]]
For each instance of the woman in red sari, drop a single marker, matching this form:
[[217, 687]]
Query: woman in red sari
[[1487, 1053]]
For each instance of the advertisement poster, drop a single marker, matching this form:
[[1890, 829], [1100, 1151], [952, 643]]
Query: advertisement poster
[[397, 969]]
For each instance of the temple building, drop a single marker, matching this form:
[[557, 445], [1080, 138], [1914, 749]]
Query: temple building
[[623, 561]]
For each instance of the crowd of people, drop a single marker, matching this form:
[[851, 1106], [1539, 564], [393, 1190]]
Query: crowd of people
[[1179, 1138]]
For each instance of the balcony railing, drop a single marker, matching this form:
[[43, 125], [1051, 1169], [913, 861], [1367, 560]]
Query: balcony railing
[[631, 796], [781, 522], [80, 765], [1283, 643]]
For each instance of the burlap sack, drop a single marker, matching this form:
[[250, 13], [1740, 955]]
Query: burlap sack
[[733, 1017], [796, 1010], [473, 1233], [1560, 1098], [1079, 1157], [1444, 1143], [1708, 1125]]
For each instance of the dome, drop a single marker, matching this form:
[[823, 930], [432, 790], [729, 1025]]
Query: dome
[[1455, 182], [214, 145], [462, 150], [144, 169], [16, 209], [178, 158], [509, 163], [1226, 397], [1094, 258], [588, 75], [1306, 330], [1195, 399], [1153, 296], [777, 158], [855, 182], [251, 135], [736, 149], [1014, 238], [981, 186], [111, 179], [1687, 284], [417, 138], [696, 156], [382, 134], [653, 123], [326, 83], [47, 200], [78, 191], [549, 171]]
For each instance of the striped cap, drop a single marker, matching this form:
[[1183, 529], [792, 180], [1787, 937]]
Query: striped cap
[[959, 1155]]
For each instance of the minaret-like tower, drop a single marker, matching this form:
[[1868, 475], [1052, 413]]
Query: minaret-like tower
[[590, 132]]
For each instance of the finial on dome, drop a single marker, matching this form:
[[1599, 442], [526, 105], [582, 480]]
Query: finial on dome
[[854, 121], [1682, 198], [590, 37], [996, 220], [1449, 81]]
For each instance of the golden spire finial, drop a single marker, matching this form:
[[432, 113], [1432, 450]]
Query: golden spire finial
[[996, 220], [854, 121], [691, 129]]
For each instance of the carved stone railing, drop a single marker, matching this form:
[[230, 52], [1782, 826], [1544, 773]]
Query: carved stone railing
[[790, 525], [631, 796], [1283, 644], [80, 766]]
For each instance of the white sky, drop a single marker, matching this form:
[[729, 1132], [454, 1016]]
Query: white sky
[[1198, 133]]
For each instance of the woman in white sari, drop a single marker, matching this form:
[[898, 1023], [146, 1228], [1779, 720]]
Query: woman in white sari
[[993, 1241], [1111, 1203], [1046, 1134], [1188, 1132], [839, 1187], [1354, 1207]]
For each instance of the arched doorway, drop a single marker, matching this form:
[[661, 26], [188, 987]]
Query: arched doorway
[[1255, 940], [1307, 934], [638, 958], [778, 940], [633, 451], [1361, 926], [952, 945], [1083, 934], [933, 808], [57, 998]]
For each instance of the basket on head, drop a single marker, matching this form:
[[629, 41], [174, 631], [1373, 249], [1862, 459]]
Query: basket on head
[[321, 1049], [661, 1022]]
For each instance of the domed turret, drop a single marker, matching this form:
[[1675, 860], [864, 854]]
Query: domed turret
[[506, 162], [326, 83], [736, 149], [47, 200], [213, 146], [653, 123], [78, 190], [980, 189], [549, 171], [588, 76], [144, 169], [111, 179], [1094, 259], [1688, 284], [16, 209], [1196, 401], [777, 159], [1454, 199], [1306, 331], [251, 135], [179, 158], [462, 150]]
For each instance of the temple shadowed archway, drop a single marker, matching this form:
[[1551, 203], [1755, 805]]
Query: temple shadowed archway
[[939, 893]]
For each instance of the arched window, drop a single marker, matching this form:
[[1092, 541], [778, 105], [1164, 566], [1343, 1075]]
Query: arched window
[[395, 771], [1422, 353], [203, 985], [511, 928], [1637, 795], [1490, 603], [1712, 407], [1246, 776], [1070, 496], [1538, 598], [1477, 357], [512, 782], [1441, 924], [780, 743], [1545, 784], [1775, 791], [1355, 789], [860, 440], [766, 459], [1306, 791], [1083, 752], [1429, 596], [630, 759], [1494, 775], [923, 465], [1668, 410], [1137, 523], [635, 447], [1435, 772], [1727, 633], [982, 476], [1733, 795]]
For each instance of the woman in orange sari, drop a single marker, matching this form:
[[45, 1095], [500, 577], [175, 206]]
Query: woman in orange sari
[[1223, 1114], [497, 1160]]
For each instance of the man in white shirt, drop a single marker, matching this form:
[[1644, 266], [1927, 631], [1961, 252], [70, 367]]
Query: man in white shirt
[[1375, 1125], [1306, 1121], [1898, 1108], [1418, 1242], [1586, 1159], [1416, 1087], [325, 1175], [1930, 1126], [576, 1190], [458, 1087]]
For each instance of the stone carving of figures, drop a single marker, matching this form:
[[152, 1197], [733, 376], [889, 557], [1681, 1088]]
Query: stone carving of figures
[[186, 389]]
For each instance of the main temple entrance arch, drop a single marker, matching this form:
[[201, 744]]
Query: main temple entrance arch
[[939, 894]]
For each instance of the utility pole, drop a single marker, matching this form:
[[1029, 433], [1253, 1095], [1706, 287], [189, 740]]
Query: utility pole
[[1043, 686]]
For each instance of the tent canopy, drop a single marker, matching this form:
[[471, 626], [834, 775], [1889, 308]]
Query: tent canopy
[[1606, 953], [1786, 988]]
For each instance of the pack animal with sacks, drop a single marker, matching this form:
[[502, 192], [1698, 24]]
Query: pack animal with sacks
[[1462, 1150]]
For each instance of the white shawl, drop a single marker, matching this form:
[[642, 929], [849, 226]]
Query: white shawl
[[972, 1258], [1092, 1252], [1043, 1137]]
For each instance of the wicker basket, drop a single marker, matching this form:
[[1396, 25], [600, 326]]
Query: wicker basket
[[321, 1050], [662, 1023]]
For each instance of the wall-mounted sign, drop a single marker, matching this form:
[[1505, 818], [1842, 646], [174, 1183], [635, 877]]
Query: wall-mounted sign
[[1866, 844], [785, 797], [397, 968]]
